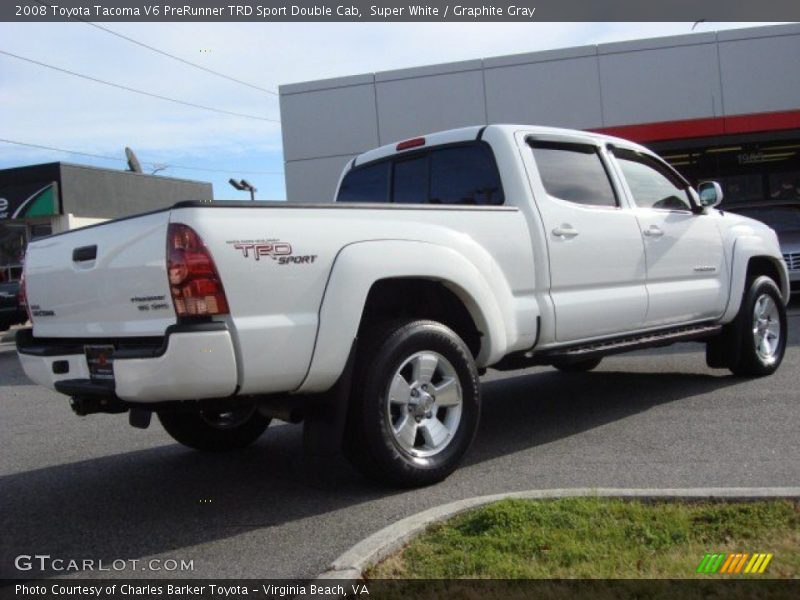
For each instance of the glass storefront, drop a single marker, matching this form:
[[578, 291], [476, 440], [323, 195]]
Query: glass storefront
[[749, 173], [13, 240]]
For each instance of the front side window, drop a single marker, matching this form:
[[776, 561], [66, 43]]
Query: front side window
[[651, 184], [573, 172], [366, 184]]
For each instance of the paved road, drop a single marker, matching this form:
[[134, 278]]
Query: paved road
[[95, 488]]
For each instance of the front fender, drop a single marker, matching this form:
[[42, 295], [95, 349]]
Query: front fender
[[744, 249], [354, 272]]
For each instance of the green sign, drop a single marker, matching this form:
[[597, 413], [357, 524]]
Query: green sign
[[21, 201]]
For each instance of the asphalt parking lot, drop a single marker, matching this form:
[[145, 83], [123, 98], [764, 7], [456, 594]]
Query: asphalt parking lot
[[95, 488]]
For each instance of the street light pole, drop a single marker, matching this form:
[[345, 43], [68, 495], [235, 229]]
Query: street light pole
[[244, 185]]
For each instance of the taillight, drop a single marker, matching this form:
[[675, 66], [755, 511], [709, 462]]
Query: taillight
[[22, 296], [193, 279]]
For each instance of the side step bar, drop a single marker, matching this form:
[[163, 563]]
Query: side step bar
[[652, 339]]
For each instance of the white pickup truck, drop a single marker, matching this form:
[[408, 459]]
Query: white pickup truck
[[371, 318]]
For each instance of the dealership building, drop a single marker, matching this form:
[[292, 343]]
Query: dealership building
[[39, 200], [717, 105]]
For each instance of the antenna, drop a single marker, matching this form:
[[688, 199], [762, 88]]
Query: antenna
[[133, 162]]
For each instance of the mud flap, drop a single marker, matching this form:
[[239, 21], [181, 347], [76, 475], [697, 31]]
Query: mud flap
[[326, 415], [723, 350]]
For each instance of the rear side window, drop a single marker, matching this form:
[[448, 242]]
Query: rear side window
[[465, 175], [366, 184], [459, 174], [574, 172]]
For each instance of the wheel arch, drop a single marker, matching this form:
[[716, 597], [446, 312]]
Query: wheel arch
[[751, 259], [358, 284]]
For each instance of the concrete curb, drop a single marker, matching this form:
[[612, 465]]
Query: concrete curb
[[370, 551]]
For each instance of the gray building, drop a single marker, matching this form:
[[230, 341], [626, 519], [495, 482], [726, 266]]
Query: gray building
[[724, 105]]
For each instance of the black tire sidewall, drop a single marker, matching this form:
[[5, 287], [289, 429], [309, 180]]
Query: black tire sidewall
[[377, 369]]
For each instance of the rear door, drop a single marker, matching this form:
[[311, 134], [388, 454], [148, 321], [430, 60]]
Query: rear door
[[686, 275], [596, 253]]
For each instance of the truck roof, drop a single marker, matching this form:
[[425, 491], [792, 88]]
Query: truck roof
[[465, 134]]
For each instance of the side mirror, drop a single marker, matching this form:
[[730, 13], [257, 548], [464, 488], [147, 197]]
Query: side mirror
[[709, 193]]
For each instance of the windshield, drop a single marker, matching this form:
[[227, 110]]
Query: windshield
[[784, 218]]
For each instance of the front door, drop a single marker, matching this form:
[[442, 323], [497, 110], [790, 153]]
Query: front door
[[686, 275], [596, 253]]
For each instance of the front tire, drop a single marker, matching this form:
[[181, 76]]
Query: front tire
[[415, 403], [761, 325], [215, 430]]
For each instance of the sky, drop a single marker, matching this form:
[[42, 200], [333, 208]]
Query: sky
[[44, 107]]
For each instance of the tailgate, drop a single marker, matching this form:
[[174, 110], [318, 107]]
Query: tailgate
[[107, 280]]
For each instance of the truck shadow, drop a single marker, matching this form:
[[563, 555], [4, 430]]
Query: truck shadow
[[159, 500], [535, 409]]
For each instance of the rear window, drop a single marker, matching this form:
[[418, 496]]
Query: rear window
[[410, 181], [573, 172], [366, 184], [460, 174], [465, 175]]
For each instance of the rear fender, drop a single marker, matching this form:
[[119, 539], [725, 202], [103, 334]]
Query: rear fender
[[354, 272]]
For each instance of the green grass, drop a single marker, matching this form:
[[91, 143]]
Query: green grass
[[599, 538]]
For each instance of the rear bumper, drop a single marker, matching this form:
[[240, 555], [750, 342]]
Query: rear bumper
[[192, 362]]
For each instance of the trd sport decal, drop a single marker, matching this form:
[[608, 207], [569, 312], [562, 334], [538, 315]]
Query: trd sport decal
[[280, 252]]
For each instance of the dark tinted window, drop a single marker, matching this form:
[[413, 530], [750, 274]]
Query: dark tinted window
[[465, 175], [574, 173], [410, 181], [366, 184]]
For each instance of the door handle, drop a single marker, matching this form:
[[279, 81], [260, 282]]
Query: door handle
[[653, 231], [84, 253], [565, 231]]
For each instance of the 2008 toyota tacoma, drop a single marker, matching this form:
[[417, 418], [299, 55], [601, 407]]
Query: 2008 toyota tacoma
[[371, 317]]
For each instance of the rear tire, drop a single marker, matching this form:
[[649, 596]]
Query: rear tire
[[215, 430], [761, 327], [415, 403], [581, 366]]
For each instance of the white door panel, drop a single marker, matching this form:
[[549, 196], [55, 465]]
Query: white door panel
[[594, 246], [685, 266], [597, 273], [686, 275]]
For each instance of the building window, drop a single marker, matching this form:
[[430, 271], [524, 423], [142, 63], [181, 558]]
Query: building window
[[750, 173], [12, 250]]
